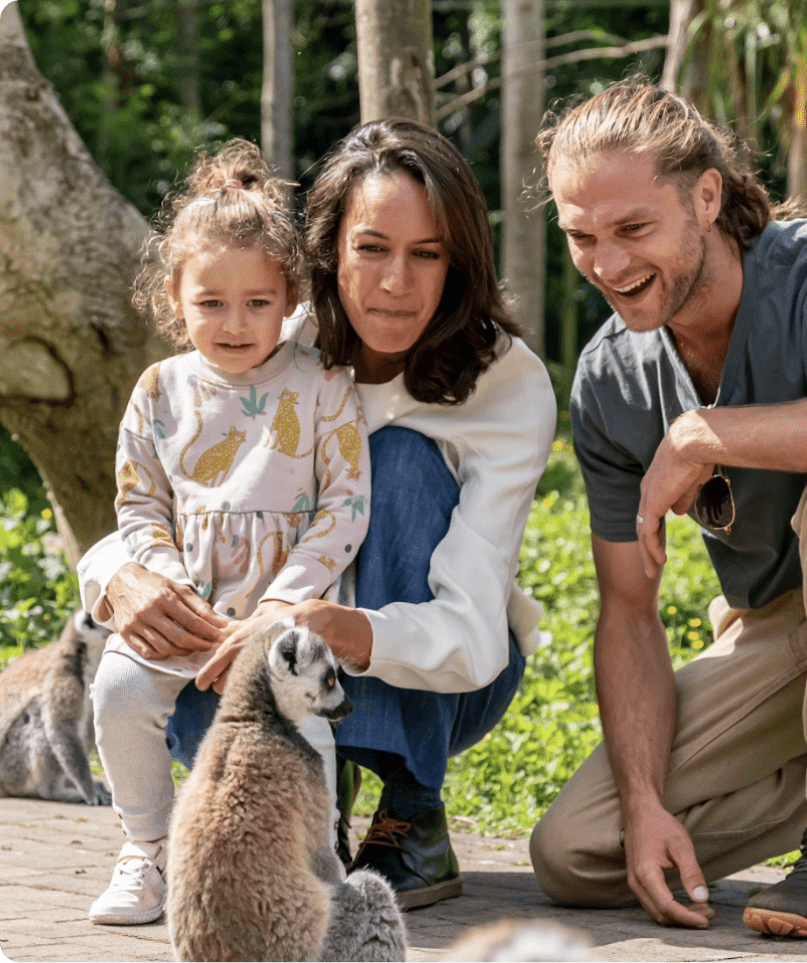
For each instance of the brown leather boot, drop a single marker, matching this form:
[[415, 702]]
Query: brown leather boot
[[415, 856]]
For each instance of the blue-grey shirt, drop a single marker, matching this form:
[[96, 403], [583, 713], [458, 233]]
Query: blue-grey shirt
[[630, 386]]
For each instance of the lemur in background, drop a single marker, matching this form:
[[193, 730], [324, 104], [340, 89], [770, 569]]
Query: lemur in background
[[46, 728], [252, 874]]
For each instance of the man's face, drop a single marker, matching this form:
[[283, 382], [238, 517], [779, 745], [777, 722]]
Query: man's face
[[630, 235]]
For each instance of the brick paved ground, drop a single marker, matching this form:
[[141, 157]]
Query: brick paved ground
[[55, 859]]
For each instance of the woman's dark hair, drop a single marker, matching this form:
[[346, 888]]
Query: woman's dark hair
[[459, 342], [637, 116]]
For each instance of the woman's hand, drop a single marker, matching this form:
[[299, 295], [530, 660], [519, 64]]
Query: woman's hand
[[160, 618], [214, 673], [347, 631]]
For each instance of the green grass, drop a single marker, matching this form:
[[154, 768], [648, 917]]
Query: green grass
[[503, 784]]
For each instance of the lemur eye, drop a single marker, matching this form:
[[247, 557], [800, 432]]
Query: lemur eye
[[331, 682]]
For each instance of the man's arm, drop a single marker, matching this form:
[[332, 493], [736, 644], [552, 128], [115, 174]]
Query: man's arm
[[636, 692], [752, 436]]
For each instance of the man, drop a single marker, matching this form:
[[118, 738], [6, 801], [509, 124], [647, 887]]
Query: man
[[692, 397]]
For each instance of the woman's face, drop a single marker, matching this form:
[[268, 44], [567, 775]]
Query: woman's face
[[391, 271]]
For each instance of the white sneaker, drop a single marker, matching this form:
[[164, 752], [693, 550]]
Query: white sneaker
[[137, 891]]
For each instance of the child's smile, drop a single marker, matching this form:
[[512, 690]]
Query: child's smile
[[233, 304]]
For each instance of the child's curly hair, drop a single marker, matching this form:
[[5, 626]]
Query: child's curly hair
[[230, 198]]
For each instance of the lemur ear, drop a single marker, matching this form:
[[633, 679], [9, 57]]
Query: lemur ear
[[285, 651], [82, 620]]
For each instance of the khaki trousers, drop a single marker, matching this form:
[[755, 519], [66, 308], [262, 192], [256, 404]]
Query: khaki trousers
[[737, 768]]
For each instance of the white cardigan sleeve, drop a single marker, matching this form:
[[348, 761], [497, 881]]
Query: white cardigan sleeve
[[497, 444], [95, 568]]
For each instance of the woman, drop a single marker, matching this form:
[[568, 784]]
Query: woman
[[461, 416]]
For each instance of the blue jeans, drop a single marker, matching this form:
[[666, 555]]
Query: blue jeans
[[413, 496]]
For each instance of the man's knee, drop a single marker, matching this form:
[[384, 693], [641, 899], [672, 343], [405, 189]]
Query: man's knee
[[553, 859], [573, 867]]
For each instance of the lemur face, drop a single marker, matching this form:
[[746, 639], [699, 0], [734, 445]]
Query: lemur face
[[303, 671]]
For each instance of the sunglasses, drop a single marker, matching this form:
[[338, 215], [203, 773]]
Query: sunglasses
[[714, 506]]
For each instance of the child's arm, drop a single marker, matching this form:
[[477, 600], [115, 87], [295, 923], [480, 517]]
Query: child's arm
[[342, 467], [144, 504]]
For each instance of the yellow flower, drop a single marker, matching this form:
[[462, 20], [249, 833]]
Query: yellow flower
[[47, 513], [695, 622]]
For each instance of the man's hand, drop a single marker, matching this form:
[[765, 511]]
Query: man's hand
[[671, 484], [159, 618], [654, 842]]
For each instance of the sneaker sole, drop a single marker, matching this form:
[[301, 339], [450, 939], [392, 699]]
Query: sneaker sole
[[414, 898], [773, 923], [135, 919]]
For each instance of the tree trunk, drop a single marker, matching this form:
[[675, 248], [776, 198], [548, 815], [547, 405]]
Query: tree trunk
[[524, 232], [277, 94], [685, 70], [396, 59], [188, 49], [71, 345], [797, 154], [681, 14]]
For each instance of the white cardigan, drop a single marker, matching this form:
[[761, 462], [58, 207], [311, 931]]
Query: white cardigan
[[496, 445]]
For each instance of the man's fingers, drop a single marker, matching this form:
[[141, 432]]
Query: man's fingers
[[683, 852], [650, 885], [656, 897], [654, 558], [651, 532]]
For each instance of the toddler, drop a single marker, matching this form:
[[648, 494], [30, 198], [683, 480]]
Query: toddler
[[242, 470]]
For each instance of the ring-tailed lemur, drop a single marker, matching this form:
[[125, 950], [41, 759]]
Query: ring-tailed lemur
[[252, 874], [46, 727]]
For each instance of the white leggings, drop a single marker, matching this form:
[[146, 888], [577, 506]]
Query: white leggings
[[132, 704]]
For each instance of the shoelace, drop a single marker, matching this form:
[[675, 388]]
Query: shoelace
[[383, 831], [126, 872]]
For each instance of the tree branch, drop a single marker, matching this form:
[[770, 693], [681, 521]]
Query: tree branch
[[577, 56]]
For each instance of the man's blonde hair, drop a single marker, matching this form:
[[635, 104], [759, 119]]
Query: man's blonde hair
[[637, 116]]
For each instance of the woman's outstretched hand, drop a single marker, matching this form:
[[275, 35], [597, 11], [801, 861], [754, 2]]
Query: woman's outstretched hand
[[213, 673], [347, 631]]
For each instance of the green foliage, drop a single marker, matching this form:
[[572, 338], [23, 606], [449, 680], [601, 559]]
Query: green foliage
[[18, 471], [37, 589]]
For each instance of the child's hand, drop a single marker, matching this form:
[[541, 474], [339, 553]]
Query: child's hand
[[215, 671]]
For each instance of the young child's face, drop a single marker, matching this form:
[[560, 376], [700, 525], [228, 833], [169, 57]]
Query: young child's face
[[233, 304]]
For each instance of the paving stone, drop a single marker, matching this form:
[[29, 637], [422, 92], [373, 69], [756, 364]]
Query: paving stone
[[56, 858]]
